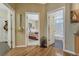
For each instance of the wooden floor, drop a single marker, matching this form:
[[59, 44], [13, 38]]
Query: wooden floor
[[33, 51]]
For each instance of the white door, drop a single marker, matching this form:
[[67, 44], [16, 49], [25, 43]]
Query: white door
[[51, 28]]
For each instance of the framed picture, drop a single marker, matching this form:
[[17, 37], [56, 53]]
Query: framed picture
[[74, 14], [6, 25]]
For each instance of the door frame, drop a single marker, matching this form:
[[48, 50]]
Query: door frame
[[27, 33], [13, 28], [61, 8]]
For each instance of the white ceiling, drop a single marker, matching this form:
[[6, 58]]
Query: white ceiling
[[3, 8]]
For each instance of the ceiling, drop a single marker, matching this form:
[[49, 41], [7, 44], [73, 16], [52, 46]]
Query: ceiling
[[3, 8]]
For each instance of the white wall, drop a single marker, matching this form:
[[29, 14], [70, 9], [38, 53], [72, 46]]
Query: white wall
[[5, 14], [3, 33], [3, 17]]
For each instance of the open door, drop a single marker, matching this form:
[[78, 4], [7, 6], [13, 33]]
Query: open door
[[50, 28]]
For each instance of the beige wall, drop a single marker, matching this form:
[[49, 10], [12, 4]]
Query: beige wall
[[21, 9]]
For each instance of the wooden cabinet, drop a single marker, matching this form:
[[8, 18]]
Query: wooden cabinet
[[77, 44]]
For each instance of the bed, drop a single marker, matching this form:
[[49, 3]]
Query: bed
[[34, 36]]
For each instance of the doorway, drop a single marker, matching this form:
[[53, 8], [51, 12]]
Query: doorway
[[56, 28], [32, 35]]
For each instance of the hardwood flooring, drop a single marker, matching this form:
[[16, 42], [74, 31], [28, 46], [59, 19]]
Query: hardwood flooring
[[31, 51], [34, 51]]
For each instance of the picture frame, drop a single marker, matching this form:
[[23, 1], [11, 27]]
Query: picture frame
[[74, 16], [6, 25]]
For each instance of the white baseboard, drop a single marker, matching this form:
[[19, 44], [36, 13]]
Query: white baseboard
[[71, 52], [21, 46]]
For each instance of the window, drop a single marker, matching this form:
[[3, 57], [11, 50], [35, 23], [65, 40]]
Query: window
[[59, 22]]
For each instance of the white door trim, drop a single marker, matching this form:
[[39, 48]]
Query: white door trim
[[27, 33], [12, 23], [63, 7], [13, 29]]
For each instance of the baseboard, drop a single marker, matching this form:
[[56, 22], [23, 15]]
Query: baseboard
[[26, 46], [71, 52], [21, 46]]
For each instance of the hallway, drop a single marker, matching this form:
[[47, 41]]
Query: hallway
[[54, 25]]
